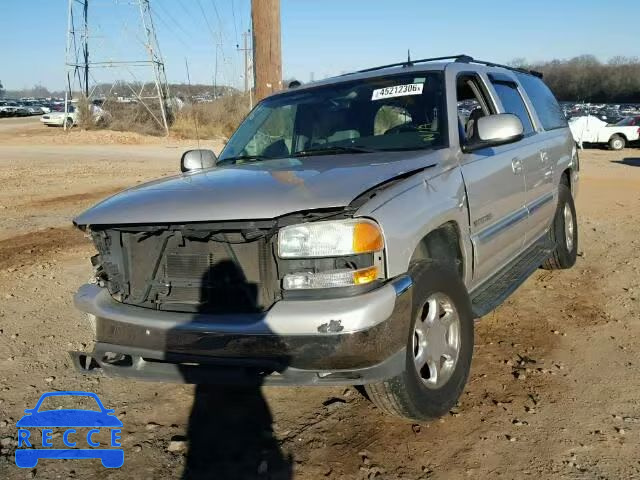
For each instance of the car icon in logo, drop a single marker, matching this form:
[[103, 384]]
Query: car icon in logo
[[31, 448]]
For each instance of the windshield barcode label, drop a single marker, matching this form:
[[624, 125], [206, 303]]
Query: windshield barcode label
[[398, 91]]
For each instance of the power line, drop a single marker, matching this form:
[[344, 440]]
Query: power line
[[174, 32], [171, 17], [207, 21], [235, 24]]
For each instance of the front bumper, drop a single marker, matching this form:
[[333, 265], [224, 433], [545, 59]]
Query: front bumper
[[354, 340]]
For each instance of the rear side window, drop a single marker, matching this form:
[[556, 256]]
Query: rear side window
[[545, 104], [513, 103]]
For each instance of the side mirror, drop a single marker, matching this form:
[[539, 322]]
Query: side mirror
[[500, 129], [197, 160]]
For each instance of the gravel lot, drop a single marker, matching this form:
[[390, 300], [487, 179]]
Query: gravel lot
[[553, 391]]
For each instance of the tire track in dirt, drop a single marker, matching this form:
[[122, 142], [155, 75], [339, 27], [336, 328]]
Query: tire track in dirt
[[29, 248], [76, 198]]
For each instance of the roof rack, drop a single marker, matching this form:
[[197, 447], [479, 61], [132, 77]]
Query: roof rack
[[457, 58], [515, 69], [410, 63]]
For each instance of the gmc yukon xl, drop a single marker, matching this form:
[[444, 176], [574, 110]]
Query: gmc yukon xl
[[349, 232]]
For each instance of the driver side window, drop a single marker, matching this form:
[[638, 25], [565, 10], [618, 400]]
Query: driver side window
[[473, 104], [275, 136]]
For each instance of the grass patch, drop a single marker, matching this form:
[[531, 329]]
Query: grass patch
[[212, 120]]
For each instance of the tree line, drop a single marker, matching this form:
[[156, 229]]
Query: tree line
[[586, 79]]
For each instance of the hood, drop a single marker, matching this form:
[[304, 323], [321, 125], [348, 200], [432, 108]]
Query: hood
[[257, 191]]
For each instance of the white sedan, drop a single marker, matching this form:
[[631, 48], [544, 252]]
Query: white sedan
[[58, 119]]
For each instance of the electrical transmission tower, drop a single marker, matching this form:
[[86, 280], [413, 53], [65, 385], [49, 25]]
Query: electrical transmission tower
[[79, 66]]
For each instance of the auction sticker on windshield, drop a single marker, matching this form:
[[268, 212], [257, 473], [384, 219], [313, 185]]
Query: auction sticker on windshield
[[398, 91]]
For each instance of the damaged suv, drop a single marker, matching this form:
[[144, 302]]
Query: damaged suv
[[348, 233]]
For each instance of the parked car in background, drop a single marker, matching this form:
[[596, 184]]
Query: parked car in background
[[8, 109], [59, 119], [633, 121], [22, 111], [34, 110], [592, 130]]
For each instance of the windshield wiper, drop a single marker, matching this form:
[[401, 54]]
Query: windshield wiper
[[244, 158], [333, 150]]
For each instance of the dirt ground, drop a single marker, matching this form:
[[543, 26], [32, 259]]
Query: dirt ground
[[554, 389]]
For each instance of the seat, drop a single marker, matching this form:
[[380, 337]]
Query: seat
[[471, 132]]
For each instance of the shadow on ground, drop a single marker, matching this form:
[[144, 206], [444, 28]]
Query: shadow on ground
[[230, 432], [631, 162]]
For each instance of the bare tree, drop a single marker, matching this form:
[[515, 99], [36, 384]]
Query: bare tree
[[585, 78]]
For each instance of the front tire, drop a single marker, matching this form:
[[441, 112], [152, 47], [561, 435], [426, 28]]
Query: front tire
[[563, 233], [617, 142], [439, 348]]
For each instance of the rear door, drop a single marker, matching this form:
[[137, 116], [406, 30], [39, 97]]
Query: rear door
[[555, 153], [494, 178]]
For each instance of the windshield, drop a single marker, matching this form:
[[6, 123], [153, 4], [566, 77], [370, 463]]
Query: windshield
[[629, 122], [401, 112]]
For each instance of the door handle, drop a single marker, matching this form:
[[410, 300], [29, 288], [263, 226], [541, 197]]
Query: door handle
[[516, 166]]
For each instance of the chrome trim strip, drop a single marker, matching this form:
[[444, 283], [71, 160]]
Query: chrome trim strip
[[488, 233], [539, 202]]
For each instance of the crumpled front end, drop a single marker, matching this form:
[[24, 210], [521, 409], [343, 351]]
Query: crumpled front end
[[205, 303]]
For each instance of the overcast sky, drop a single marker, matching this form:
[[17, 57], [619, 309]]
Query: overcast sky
[[319, 37]]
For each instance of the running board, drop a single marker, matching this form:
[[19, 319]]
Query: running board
[[507, 280]]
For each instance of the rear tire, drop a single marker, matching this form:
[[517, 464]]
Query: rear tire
[[563, 235], [617, 142], [417, 394]]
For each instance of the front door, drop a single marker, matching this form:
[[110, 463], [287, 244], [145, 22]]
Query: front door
[[498, 216], [495, 183]]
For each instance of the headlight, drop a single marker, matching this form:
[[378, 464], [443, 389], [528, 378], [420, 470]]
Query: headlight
[[330, 239]]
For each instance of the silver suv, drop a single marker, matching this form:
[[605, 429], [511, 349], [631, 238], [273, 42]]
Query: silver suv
[[349, 233]]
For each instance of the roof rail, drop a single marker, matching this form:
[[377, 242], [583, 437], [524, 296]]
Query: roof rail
[[457, 58], [515, 69], [410, 63]]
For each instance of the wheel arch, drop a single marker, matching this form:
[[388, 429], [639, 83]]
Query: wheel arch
[[444, 245], [565, 177], [618, 134]]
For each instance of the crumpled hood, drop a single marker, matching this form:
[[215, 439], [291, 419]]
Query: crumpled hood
[[257, 191]]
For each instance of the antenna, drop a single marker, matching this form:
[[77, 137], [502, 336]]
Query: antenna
[[193, 110]]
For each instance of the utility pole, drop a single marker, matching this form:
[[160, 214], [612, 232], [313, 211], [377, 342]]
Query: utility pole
[[85, 48], [215, 75], [267, 52], [246, 49], [218, 46]]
